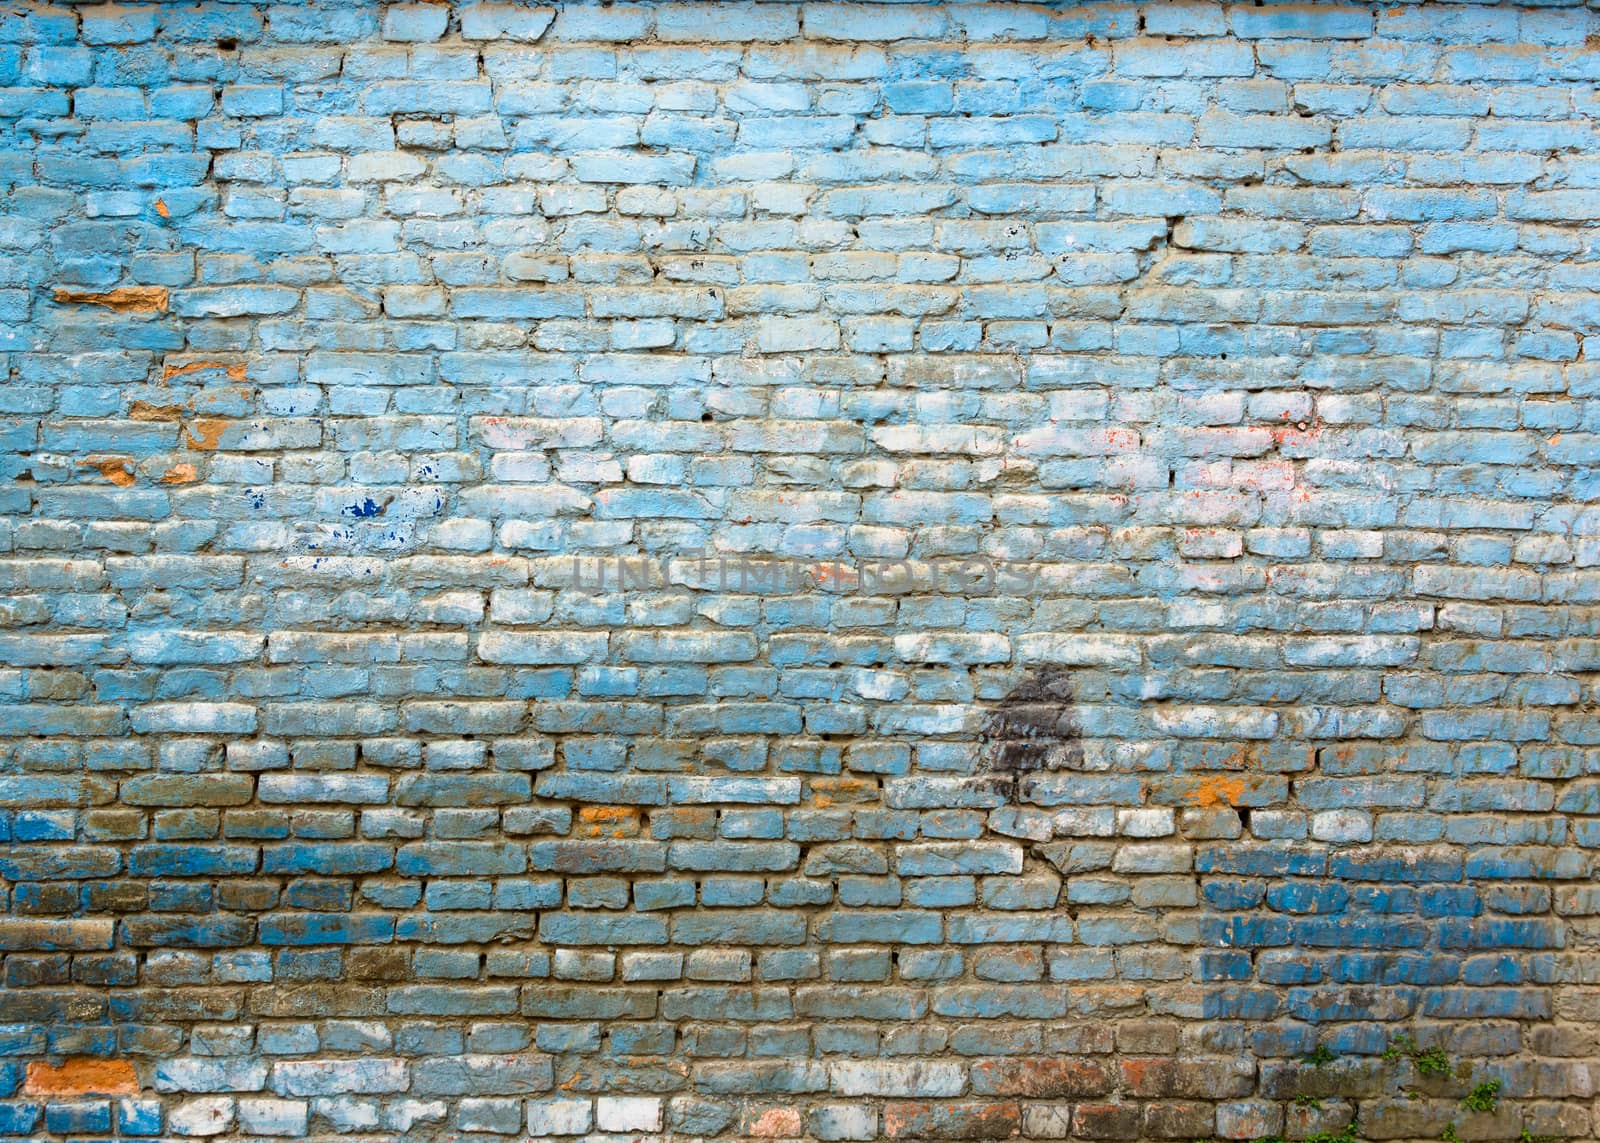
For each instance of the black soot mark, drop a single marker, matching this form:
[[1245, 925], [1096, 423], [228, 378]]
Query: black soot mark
[[1035, 727]]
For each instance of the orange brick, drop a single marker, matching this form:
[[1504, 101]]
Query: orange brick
[[126, 300], [81, 1076]]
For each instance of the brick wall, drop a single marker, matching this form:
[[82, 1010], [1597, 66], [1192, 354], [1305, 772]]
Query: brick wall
[[816, 571]]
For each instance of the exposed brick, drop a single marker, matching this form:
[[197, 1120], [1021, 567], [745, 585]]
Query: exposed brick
[[81, 1076], [951, 1120], [124, 299]]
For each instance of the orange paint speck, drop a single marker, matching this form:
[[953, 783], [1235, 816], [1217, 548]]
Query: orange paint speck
[[1300, 433], [161, 209], [833, 573], [832, 791], [1215, 791], [608, 821], [180, 474]]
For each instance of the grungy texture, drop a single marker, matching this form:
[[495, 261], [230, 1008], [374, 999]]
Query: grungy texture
[[801, 571]]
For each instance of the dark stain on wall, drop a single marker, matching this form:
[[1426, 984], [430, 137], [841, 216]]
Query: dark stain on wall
[[1035, 727]]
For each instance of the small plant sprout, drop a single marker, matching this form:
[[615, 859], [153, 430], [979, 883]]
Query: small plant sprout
[[1433, 1062], [1346, 1134], [1483, 1097], [1401, 1046]]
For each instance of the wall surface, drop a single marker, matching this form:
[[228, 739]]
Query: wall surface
[[814, 571]]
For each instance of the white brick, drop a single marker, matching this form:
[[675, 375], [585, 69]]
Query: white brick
[[614, 1113], [559, 1116]]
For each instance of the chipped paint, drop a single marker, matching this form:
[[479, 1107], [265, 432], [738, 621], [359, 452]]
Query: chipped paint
[[235, 370], [776, 1122], [843, 791], [117, 469], [125, 299], [206, 432], [147, 411]]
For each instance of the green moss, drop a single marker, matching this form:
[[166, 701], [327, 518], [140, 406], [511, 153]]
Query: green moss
[[1484, 1097], [1402, 1046], [1433, 1062]]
